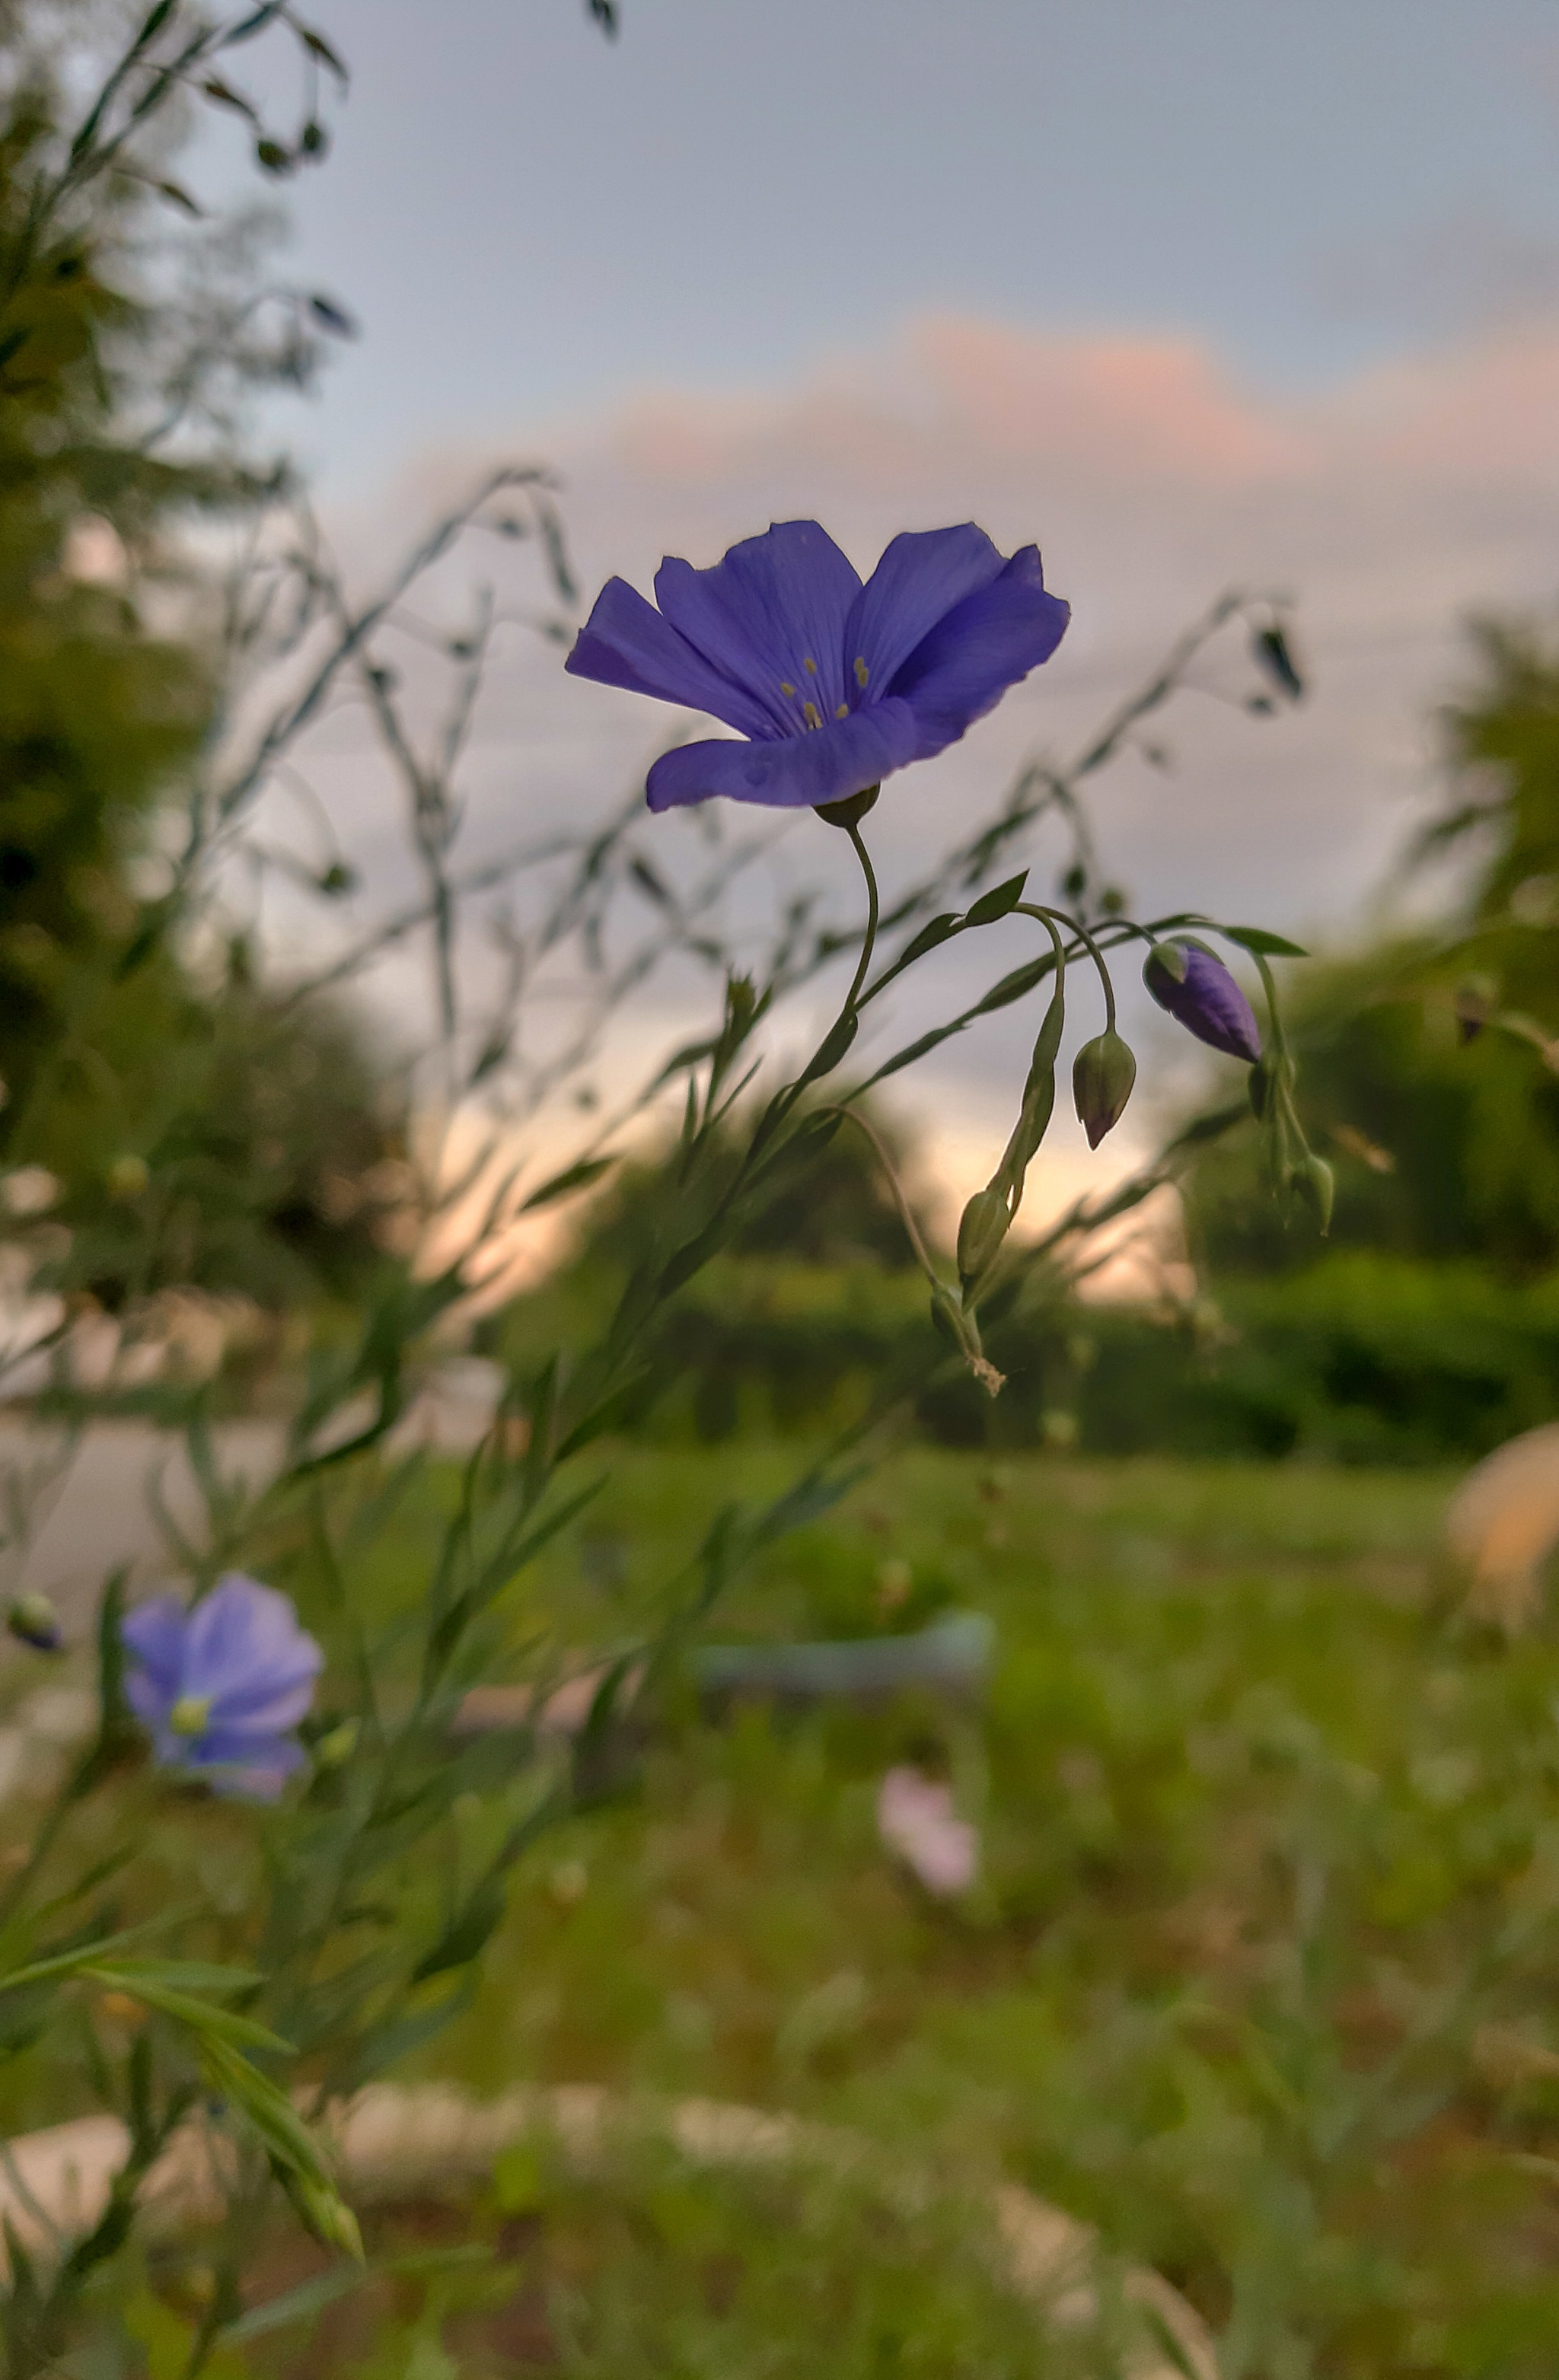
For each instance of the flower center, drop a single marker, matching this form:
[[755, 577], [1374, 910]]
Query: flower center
[[189, 1714], [811, 715]]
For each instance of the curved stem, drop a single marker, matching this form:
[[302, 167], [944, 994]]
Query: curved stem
[[1037, 910], [911, 1227], [873, 911]]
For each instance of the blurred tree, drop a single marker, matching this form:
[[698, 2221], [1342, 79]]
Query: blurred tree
[[1428, 1065], [132, 338]]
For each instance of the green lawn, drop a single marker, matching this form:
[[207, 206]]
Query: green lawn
[[1260, 1973]]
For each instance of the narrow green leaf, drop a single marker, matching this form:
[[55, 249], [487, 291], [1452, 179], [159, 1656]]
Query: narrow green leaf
[[1257, 940], [214, 2025], [997, 903], [574, 1177]]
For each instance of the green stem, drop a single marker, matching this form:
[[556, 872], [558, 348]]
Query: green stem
[[1035, 909], [921, 1255], [873, 911]]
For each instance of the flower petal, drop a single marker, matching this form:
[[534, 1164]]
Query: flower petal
[[246, 1650], [625, 642], [923, 574], [244, 1769], [775, 604], [843, 757], [983, 646], [154, 1634]]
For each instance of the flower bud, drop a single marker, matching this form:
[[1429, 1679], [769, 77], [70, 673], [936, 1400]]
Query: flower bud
[[1199, 994], [981, 1230], [333, 1751], [1477, 998], [32, 1620], [1312, 1178], [1103, 1075]]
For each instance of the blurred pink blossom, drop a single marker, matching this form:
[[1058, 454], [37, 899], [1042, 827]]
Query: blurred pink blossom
[[915, 1819]]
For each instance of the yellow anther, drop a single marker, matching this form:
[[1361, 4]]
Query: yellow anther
[[785, 686], [861, 669], [189, 1714], [810, 666], [811, 714], [841, 710]]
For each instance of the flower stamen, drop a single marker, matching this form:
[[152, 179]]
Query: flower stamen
[[809, 666], [189, 1714], [785, 686], [841, 710], [862, 673], [811, 713]]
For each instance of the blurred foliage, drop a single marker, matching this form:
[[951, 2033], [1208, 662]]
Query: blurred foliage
[[1441, 1120], [232, 1144], [816, 1295], [166, 1105]]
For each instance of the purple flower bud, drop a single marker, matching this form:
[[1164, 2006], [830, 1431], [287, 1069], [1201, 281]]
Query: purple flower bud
[[32, 1620], [1199, 994]]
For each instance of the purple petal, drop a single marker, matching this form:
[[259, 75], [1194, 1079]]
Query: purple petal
[[1209, 1003], [155, 1633], [246, 1768], [983, 646], [923, 575], [247, 1654], [625, 642], [775, 604], [841, 758]]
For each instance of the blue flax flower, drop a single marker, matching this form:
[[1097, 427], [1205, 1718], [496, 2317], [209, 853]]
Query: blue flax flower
[[221, 1687], [834, 684]]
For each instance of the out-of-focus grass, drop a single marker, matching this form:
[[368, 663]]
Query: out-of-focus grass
[[1260, 1973]]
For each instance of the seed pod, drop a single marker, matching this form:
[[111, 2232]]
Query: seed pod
[[1199, 994], [1103, 1075]]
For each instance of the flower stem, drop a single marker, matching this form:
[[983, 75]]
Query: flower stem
[[921, 1256], [1036, 909], [873, 910]]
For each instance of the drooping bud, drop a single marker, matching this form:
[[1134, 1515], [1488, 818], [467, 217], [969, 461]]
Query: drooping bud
[[1313, 1179], [1103, 1073], [1477, 998], [1199, 994], [981, 1230], [32, 1620]]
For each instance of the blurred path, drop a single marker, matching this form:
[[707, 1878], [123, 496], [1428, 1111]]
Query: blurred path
[[66, 1527], [65, 1523]]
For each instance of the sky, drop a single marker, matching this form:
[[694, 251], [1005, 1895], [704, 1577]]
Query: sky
[[1195, 292], [532, 222]]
